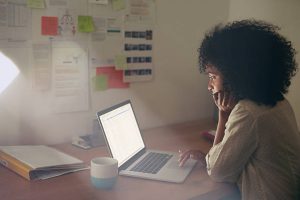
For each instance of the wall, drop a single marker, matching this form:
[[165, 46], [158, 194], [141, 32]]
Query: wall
[[178, 92], [286, 15]]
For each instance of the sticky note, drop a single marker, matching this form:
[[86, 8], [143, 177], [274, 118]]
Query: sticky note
[[105, 70], [104, 2], [35, 3], [101, 82], [118, 5], [116, 80], [121, 62], [85, 24], [115, 77], [49, 25]]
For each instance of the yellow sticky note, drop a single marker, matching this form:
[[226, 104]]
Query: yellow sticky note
[[101, 82], [35, 3], [85, 24], [120, 62], [118, 5]]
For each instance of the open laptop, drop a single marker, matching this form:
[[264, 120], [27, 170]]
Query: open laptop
[[126, 144]]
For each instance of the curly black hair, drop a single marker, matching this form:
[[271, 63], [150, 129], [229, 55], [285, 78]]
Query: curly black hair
[[257, 63]]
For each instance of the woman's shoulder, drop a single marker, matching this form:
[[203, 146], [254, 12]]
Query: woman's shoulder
[[250, 106], [255, 109]]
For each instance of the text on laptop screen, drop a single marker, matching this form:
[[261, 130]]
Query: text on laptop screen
[[122, 133]]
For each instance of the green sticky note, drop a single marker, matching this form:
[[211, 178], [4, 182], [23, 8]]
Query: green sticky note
[[35, 3], [120, 62], [118, 5], [101, 82], [85, 24]]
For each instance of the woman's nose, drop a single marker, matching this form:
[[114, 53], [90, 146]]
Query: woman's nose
[[209, 86]]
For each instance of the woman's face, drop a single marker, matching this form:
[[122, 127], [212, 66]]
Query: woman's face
[[215, 79]]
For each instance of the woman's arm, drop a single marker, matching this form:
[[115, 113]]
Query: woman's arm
[[225, 103], [226, 160]]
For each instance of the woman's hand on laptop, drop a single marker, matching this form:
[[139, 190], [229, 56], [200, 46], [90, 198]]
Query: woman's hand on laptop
[[193, 154]]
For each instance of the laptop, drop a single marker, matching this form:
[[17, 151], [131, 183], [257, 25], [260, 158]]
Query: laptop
[[125, 143]]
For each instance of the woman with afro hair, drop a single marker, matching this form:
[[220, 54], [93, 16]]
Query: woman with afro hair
[[257, 142]]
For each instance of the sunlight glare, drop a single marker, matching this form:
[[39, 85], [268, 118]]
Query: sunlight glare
[[8, 72]]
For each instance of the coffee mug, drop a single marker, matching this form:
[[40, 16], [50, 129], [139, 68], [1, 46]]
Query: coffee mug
[[104, 172]]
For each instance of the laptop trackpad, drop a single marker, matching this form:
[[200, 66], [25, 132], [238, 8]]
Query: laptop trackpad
[[175, 164]]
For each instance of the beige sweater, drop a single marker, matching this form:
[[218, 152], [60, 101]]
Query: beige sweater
[[260, 151]]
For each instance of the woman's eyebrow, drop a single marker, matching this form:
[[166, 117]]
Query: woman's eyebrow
[[210, 72]]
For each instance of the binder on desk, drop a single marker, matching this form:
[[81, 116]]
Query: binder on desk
[[38, 161]]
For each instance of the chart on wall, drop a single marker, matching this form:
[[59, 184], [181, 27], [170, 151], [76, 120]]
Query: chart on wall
[[138, 48], [15, 23]]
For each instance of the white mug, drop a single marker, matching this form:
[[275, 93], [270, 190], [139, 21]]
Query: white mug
[[104, 172]]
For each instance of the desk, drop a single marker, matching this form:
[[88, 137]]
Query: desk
[[77, 185]]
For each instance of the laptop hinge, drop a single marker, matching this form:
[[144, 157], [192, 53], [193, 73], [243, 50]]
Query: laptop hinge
[[132, 160]]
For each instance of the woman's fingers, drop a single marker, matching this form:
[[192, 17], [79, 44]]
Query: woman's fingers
[[215, 97], [220, 98], [232, 102], [183, 160], [184, 156], [224, 100], [226, 97]]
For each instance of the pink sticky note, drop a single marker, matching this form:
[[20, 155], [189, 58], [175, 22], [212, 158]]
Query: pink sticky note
[[115, 77], [105, 70], [116, 80], [49, 25]]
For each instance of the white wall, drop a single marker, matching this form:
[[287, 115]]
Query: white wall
[[178, 92], [284, 13]]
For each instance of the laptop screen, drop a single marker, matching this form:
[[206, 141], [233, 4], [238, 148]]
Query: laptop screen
[[122, 132]]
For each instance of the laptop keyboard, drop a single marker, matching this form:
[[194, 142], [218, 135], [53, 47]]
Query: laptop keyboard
[[152, 163]]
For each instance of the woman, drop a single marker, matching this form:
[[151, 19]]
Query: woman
[[257, 141]]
